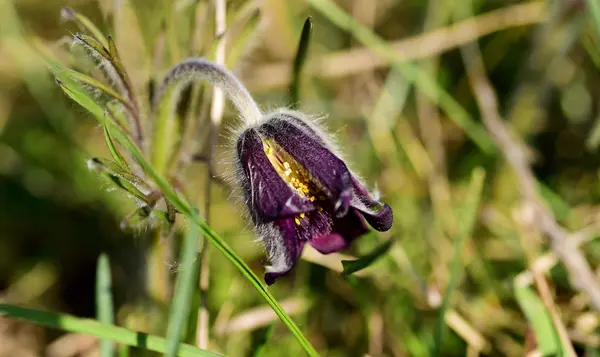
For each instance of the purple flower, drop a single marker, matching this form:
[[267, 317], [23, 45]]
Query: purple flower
[[298, 190]]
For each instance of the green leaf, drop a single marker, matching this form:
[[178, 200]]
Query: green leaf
[[123, 179], [119, 159], [93, 45], [467, 216], [104, 302], [70, 88], [111, 55], [299, 60], [95, 84], [103, 331], [412, 73], [184, 290], [84, 24], [540, 320], [352, 266]]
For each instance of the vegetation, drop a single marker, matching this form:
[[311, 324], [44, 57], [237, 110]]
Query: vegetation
[[476, 121]]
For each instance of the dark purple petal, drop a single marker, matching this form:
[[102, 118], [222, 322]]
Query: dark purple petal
[[284, 248], [268, 196], [345, 230], [308, 149], [379, 215], [293, 118], [272, 276]]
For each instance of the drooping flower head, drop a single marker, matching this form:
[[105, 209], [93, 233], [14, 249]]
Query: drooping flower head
[[295, 185], [299, 191]]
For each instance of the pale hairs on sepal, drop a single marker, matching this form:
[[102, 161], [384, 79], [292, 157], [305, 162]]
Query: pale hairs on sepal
[[105, 66]]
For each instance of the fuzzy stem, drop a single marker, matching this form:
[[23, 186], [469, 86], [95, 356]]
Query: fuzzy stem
[[200, 69]]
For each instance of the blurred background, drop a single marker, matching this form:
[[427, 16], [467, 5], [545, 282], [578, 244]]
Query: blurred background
[[542, 60]]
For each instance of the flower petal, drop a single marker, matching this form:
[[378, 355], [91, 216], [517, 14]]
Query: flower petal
[[268, 196], [284, 248], [378, 214], [308, 149], [345, 230]]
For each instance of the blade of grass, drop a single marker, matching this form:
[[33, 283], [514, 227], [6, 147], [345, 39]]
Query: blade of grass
[[105, 311], [103, 331], [184, 289], [468, 217], [427, 85], [540, 320], [186, 210], [352, 266], [299, 61]]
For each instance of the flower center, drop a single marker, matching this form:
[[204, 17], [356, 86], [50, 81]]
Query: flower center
[[294, 174]]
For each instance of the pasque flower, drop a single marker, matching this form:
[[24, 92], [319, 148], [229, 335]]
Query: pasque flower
[[298, 191], [294, 183]]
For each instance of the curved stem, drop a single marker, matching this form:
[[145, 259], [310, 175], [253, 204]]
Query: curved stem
[[200, 69]]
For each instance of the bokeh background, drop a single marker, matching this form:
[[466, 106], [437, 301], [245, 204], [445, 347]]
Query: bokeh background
[[542, 60]]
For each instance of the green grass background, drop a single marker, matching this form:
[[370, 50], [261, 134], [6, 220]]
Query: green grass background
[[407, 121]]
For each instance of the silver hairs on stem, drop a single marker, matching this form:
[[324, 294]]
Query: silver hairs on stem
[[200, 69]]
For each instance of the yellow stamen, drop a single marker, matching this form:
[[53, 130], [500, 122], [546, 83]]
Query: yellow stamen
[[294, 174], [297, 221]]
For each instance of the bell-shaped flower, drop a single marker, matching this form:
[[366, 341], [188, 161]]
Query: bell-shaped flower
[[296, 187], [298, 191]]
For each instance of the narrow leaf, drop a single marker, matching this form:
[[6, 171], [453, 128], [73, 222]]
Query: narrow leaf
[[352, 266], [299, 60], [85, 24], [540, 320], [104, 302], [113, 149], [80, 97], [93, 45], [121, 178], [95, 84], [184, 290], [103, 331]]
